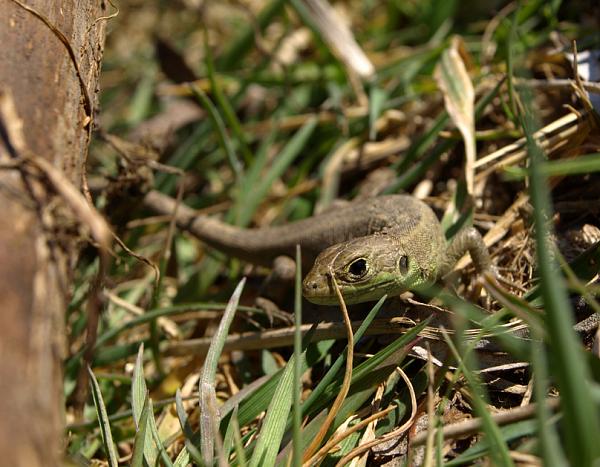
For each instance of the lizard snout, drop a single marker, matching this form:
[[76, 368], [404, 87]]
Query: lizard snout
[[315, 287], [310, 285]]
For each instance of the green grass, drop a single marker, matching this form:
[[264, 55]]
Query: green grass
[[258, 156]]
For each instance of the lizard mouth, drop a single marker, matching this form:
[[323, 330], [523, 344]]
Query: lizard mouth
[[319, 289]]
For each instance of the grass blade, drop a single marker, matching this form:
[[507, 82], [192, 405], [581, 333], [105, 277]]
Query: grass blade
[[224, 103], [253, 195], [499, 450], [483, 447], [412, 172], [107, 439], [139, 396], [239, 446], [183, 458], [257, 401], [585, 164], [219, 125], [138, 387], [335, 368], [209, 414], [188, 433], [572, 376], [550, 442], [235, 53], [459, 96], [377, 99], [156, 436], [273, 428], [364, 372], [297, 384], [141, 437]]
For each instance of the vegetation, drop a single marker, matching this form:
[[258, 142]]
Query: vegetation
[[252, 112]]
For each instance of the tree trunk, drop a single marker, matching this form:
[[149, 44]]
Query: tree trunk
[[37, 246]]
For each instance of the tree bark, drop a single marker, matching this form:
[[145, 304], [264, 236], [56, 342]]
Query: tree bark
[[53, 103]]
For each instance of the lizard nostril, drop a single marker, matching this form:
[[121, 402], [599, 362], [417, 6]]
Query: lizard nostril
[[313, 285]]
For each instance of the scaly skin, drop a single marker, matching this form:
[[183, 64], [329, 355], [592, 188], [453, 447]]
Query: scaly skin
[[369, 267], [398, 237]]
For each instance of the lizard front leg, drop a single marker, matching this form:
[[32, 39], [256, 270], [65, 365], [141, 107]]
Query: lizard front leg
[[467, 240]]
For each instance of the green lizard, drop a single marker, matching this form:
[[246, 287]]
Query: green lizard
[[383, 245]]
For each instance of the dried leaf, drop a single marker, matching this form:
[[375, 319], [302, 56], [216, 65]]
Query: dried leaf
[[459, 97]]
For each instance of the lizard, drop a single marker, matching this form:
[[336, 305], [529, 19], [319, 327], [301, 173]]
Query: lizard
[[382, 245]]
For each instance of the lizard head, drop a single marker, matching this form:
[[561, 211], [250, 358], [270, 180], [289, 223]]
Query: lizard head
[[365, 269]]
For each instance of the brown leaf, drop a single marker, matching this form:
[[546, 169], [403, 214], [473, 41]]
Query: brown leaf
[[459, 97]]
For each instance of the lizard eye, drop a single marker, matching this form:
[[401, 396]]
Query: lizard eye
[[403, 264], [358, 267]]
